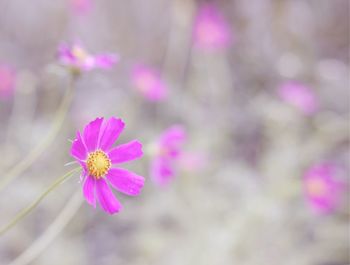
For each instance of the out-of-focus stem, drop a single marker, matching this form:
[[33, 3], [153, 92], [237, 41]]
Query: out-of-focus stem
[[41, 147], [28, 209], [39, 245]]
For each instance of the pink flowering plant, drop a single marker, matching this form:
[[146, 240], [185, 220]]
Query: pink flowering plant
[[79, 60], [81, 7], [223, 181], [323, 190], [7, 82], [148, 82], [100, 163], [167, 151], [211, 30], [300, 96]]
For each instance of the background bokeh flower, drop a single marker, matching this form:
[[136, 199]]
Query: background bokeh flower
[[167, 151], [323, 188], [78, 59], [211, 31], [148, 82], [7, 82], [81, 7], [300, 96]]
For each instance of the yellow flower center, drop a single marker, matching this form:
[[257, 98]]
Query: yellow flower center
[[79, 53], [98, 164], [316, 187]]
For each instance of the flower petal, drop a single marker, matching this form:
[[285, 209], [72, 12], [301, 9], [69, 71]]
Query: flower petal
[[149, 83], [78, 149], [106, 61], [87, 64], [175, 135], [89, 190], [126, 152], [65, 54], [125, 181], [106, 198], [91, 134], [162, 170], [110, 133]]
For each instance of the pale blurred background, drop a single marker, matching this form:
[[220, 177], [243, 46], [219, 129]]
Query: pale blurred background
[[245, 203]]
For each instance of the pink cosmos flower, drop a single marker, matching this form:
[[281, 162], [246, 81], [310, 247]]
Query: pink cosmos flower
[[149, 83], [78, 59], [321, 187], [211, 31], [7, 82], [192, 161], [93, 150], [81, 7], [168, 150], [300, 96]]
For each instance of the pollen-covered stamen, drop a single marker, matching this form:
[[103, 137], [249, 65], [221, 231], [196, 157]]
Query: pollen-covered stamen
[[98, 164]]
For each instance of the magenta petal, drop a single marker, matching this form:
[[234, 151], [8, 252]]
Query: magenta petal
[[89, 190], [125, 181], [176, 134], [211, 30], [65, 54], [91, 134], [149, 83], [87, 64], [78, 149], [126, 152], [162, 171], [111, 132], [106, 61], [81, 7], [7, 82], [106, 198], [300, 96]]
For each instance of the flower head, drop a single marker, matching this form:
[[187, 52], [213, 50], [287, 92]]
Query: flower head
[[79, 60], [300, 96], [93, 150], [211, 31], [7, 82], [192, 161], [149, 83], [321, 187], [168, 149], [81, 7]]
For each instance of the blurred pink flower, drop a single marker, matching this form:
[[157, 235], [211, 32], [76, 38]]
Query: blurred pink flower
[[168, 150], [94, 152], [211, 31], [80, 7], [149, 83], [7, 82], [192, 161], [300, 96], [78, 59], [321, 187]]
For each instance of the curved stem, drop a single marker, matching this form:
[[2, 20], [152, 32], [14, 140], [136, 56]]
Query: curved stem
[[41, 147], [61, 221], [29, 208]]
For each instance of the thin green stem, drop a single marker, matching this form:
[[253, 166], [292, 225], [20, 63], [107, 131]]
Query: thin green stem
[[55, 228], [49, 138], [29, 208]]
